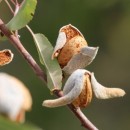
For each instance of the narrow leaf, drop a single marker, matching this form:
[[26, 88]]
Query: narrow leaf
[[49, 82], [24, 15], [45, 51]]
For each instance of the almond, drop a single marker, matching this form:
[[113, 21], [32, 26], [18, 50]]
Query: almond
[[69, 42], [86, 95], [71, 48]]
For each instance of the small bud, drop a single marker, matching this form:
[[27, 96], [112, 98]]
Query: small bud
[[15, 98], [6, 57], [72, 50]]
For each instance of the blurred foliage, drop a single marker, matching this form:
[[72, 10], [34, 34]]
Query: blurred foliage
[[105, 24], [8, 125]]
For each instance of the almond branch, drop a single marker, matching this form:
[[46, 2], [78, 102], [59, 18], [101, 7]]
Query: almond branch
[[38, 71], [16, 42]]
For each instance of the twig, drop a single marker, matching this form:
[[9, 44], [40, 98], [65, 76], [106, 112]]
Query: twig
[[16, 1], [78, 113], [16, 42], [16, 9], [11, 9], [12, 2]]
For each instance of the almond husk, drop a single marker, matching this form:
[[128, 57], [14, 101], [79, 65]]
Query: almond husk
[[70, 31], [69, 42], [6, 57], [86, 95]]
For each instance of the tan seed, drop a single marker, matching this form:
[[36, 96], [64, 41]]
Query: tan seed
[[72, 47], [86, 95]]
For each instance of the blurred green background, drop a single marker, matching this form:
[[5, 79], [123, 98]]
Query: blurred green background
[[103, 23]]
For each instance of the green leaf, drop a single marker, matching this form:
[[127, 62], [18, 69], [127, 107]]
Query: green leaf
[[9, 125], [24, 15], [49, 82], [54, 72]]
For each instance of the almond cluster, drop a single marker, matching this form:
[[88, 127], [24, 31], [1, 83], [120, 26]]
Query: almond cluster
[[74, 54]]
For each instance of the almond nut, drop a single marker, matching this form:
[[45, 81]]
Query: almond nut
[[72, 47], [86, 95], [69, 42]]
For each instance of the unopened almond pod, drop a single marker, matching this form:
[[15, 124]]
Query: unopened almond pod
[[72, 50]]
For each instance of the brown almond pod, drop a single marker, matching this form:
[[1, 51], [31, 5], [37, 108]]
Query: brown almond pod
[[6, 57], [72, 47], [69, 42], [86, 95], [70, 31]]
